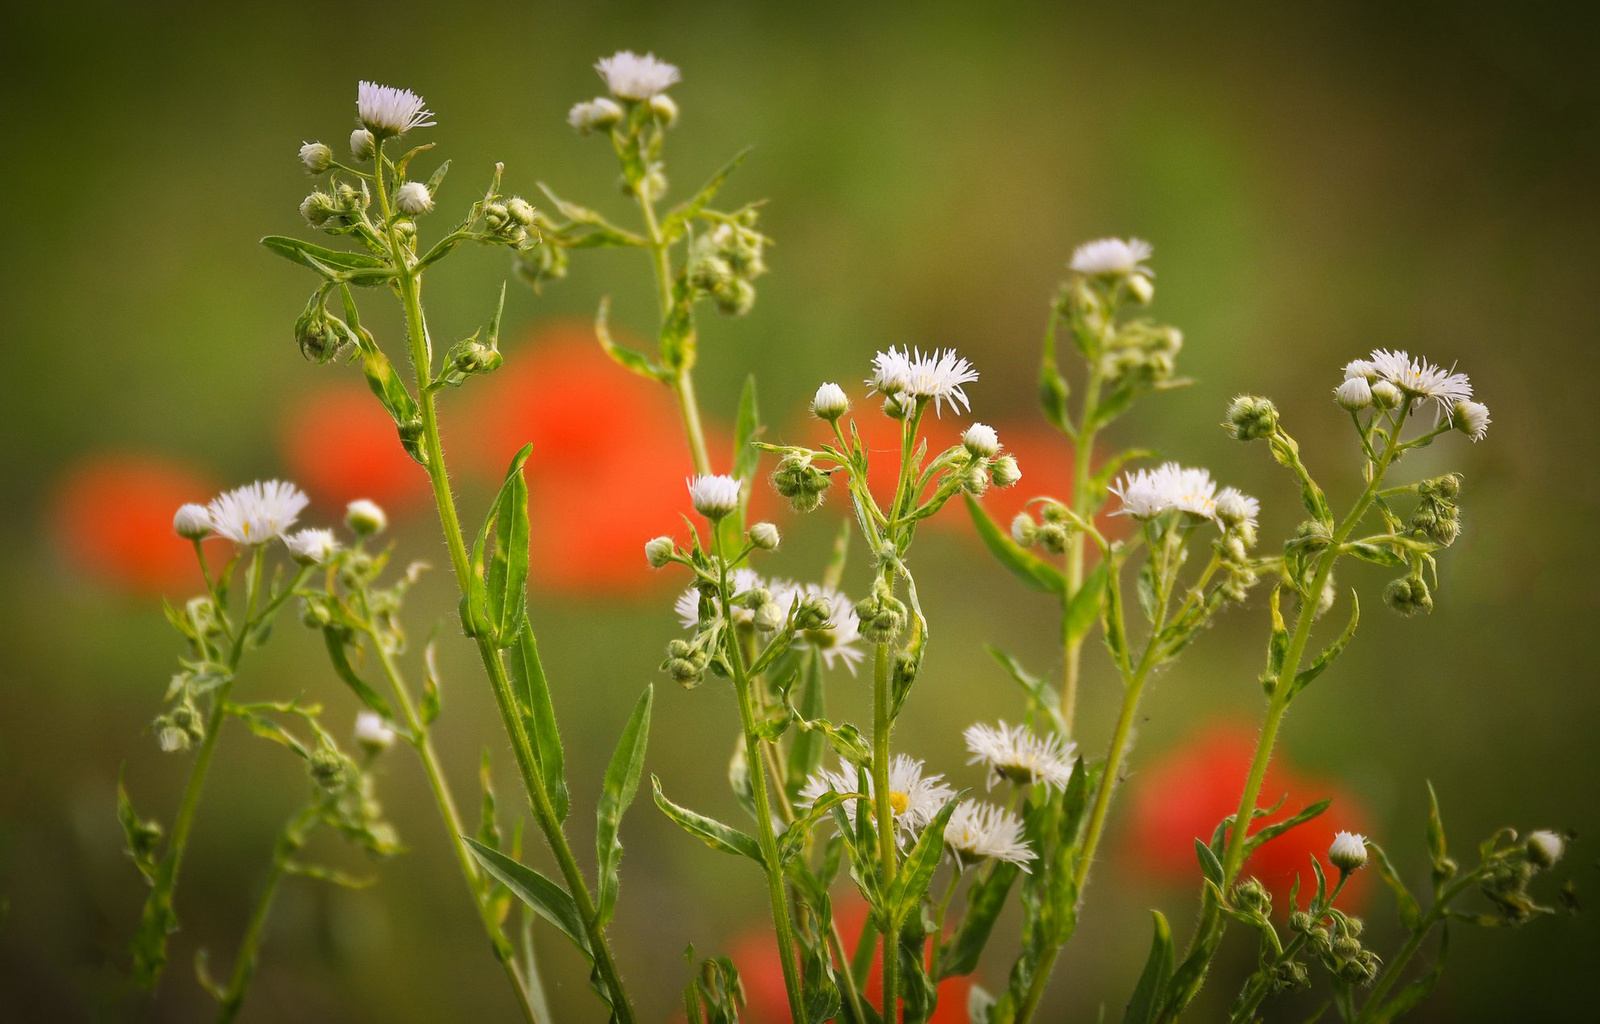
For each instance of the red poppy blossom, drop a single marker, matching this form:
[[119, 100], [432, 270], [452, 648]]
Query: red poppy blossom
[[113, 518], [1186, 792], [340, 444]]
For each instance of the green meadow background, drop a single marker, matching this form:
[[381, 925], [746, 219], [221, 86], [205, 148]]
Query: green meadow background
[[1316, 181]]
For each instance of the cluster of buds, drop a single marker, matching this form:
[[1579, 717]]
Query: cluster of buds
[[180, 726], [1251, 417], [339, 211], [1409, 595], [1341, 952], [687, 660], [880, 613], [1235, 519], [1051, 531], [725, 261], [1142, 354], [801, 482], [1437, 517], [509, 221], [984, 464], [322, 337], [1506, 877]]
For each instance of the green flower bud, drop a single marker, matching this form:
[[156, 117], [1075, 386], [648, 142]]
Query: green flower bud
[[365, 517], [1386, 396], [1053, 537], [328, 768], [1300, 921], [317, 208], [1408, 596], [802, 483], [664, 109], [1251, 417], [764, 536], [1251, 896], [1024, 530], [736, 298], [520, 210], [362, 144], [881, 615], [658, 551], [316, 157], [1005, 471], [1346, 948]]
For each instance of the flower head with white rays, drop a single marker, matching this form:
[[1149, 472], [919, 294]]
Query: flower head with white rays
[[1421, 378], [311, 547], [1147, 493], [840, 639], [1191, 490], [389, 111], [1112, 257], [1142, 494], [980, 831], [714, 497], [914, 798], [593, 115], [1017, 754], [937, 375], [632, 77], [372, 732], [258, 512], [742, 581], [1236, 508], [1472, 419]]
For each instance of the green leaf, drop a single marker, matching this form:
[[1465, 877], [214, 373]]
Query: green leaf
[[746, 457], [1436, 844], [392, 392], [1279, 828], [357, 268], [1026, 566], [622, 355], [1146, 999], [1332, 651], [1378, 554], [1410, 911], [545, 897], [430, 681], [338, 653], [714, 833], [1210, 866], [1277, 646], [679, 216], [985, 900], [497, 592], [1410, 997], [1083, 608], [533, 693], [156, 922], [911, 882], [622, 781]]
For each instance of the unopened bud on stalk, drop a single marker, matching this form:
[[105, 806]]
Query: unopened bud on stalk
[[594, 115], [373, 733], [658, 551], [714, 496], [1251, 417], [362, 144], [1005, 471], [317, 207], [830, 402], [365, 517], [413, 198], [764, 536], [1545, 848], [1024, 530], [665, 110], [982, 441], [1385, 395], [1141, 288], [316, 157], [192, 522], [1348, 851], [1408, 595], [520, 210], [310, 546], [1251, 896], [1354, 394]]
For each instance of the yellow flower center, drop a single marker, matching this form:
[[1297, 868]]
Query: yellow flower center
[[899, 801]]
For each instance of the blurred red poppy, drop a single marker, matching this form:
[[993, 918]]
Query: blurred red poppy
[[609, 460], [756, 955], [1185, 793], [113, 518], [339, 445]]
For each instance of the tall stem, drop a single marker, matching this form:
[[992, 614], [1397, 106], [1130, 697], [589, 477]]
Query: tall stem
[[510, 716], [884, 812], [682, 381], [1083, 453], [244, 964]]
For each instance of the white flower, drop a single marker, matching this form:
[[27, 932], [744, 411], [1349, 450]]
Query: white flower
[[413, 198], [914, 799], [192, 522], [1472, 419], [1112, 257], [1354, 394], [840, 639], [741, 582], [1421, 378], [387, 111], [1236, 508], [981, 440], [979, 831], [1147, 493], [633, 77], [1141, 493], [938, 375], [258, 512], [311, 547], [1359, 368], [714, 497], [365, 517], [594, 115], [1545, 848], [830, 402], [1016, 754], [1348, 851], [372, 731]]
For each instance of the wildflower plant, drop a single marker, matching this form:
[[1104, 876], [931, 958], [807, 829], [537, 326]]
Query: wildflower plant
[[1144, 555]]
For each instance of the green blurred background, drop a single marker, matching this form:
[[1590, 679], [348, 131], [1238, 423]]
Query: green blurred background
[[1316, 182]]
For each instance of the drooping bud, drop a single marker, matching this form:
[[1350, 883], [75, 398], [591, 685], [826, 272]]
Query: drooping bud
[[1408, 595], [365, 517], [316, 157], [362, 144], [658, 551], [1005, 471], [1471, 418]]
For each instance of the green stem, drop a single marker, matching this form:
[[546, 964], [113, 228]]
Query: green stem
[[884, 812], [245, 961], [1392, 970], [1083, 453], [682, 381], [510, 716]]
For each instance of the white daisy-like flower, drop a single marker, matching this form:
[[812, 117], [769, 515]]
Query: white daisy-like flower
[[1112, 257], [840, 641], [1348, 851], [1421, 378], [594, 115], [258, 512], [192, 522], [1362, 368], [632, 77], [1016, 754], [742, 581], [413, 198], [938, 375], [714, 496], [311, 546], [388, 111], [372, 731], [1472, 419], [1146, 493], [1142, 494], [914, 798], [979, 831], [1236, 508]]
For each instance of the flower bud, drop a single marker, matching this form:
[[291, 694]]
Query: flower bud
[[1471, 418], [372, 732], [802, 483], [1545, 848], [1053, 537], [1300, 921], [594, 115], [317, 208], [192, 522], [1354, 394], [316, 157], [1385, 395], [413, 198], [1346, 948], [1141, 288], [736, 298], [658, 551], [365, 517], [328, 769], [880, 614], [1251, 896], [769, 615], [520, 210], [1348, 851], [664, 109], [1408, 595], [982, 441], [899, 405], [1024, 530], [764, 536], [310, 546], [714, 496], [975, 480], [830, 402], [1251, 417], [362, 144], [1005, 471]]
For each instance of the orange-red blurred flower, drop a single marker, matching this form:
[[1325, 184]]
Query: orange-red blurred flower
[[339, 445], [609, 460], [755, 954], [113, 518], [1183, 795]]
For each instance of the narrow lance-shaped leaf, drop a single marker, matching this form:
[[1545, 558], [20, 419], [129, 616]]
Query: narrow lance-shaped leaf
[[496, 598], [712, 832], [1146, 998], [1332, 651], [622, 781], [911, 883], [533, 693], [622, 355], [985, 900], [338, 654], [1083, 607], [547, 899], [1410, 910], [680, 215], [1024, 564], [805, 753], [1279, 828]]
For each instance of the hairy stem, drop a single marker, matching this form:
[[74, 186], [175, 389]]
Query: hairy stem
[[884, 812]]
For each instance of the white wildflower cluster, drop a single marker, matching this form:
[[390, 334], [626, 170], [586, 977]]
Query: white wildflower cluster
[[255, 513], [386, 111], [978, 831], [632, 77], [915, 799], [937, 376], [1386, 377], [825, 619], [1018, 755], [1147, 493]]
